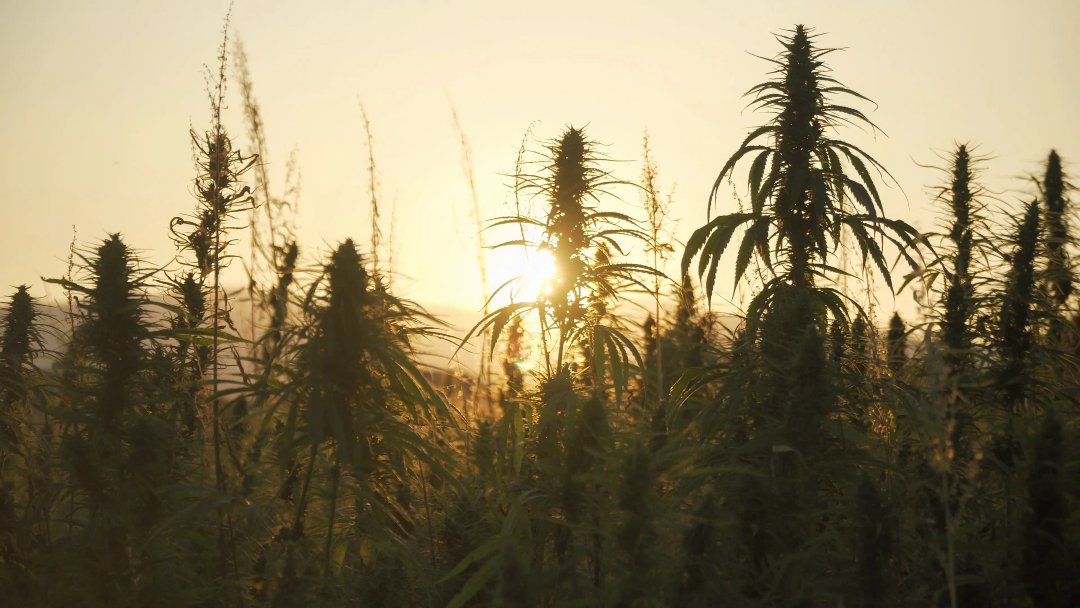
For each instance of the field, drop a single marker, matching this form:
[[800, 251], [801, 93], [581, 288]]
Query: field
[[168, 441]]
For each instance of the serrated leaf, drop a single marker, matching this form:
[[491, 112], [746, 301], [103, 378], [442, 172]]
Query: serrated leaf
[[694, 244], [864, 175], [861, 196], [757, 169], [741, 152], [746, 248], [758, 203]]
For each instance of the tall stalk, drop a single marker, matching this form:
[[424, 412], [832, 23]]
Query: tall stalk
[[373, 188], [656, 211], [206, 236], [264, 250], [483, 376]]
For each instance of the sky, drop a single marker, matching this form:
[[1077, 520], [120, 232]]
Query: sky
[[98, 98]]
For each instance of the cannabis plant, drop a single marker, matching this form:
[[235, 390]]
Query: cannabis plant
[[354, 407], [18, 346], [1059, 273], [807, 187], [120, 439], [582, 238], [1016, 325], [19, 482], [966, 234]]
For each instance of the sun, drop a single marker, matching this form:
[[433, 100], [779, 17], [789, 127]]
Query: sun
[[526, 276], [540, 271]]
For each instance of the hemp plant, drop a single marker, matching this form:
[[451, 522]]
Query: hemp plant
[[20, 341], [1059, 273], [807, 187], [358, 403], [205, 235], [582, 240]]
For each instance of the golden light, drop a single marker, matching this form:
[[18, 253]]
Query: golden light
[[539, 274], [527, 275]]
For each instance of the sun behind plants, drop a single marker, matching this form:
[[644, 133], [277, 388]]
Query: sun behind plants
[[530, 274]]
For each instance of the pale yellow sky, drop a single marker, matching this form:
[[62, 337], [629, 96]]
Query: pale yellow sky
[[98, 96]]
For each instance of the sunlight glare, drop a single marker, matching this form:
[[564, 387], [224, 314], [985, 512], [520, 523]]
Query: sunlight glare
[[537, 276], [526, 275]]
